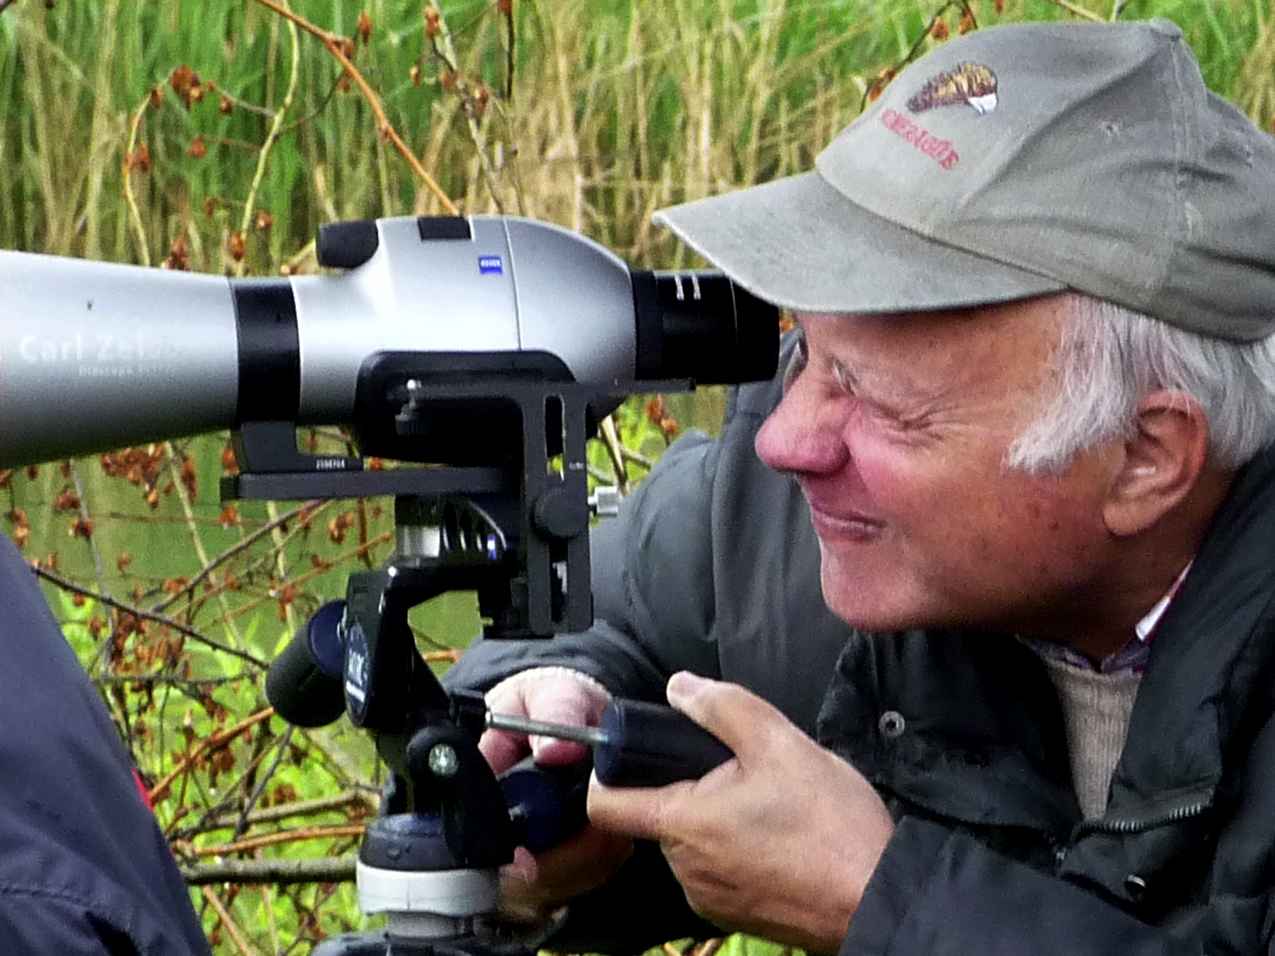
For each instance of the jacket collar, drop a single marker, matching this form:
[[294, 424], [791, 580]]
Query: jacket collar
[[1212, 652]]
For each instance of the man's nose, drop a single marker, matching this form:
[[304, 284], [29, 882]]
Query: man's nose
[[802, 435]]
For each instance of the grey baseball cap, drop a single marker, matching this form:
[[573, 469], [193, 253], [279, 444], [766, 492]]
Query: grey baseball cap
[[1015, 161]]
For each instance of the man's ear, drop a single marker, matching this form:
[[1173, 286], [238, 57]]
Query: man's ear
[[1163, 460]]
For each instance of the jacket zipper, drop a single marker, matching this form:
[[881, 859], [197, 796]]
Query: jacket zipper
[[1175, 814]]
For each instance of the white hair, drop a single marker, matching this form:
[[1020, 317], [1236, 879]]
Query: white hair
[[1109, 357]]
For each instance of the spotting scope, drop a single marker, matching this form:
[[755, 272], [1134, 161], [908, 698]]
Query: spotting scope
[[98, 356]]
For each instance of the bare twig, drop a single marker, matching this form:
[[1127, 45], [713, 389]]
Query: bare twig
[[352, 554], [72, 588], [286, 836], [1077, 10], [441, 43], [383, 125], [285, 811], [134, 214], [211, 742], [272, 137], [242, 545], [183, 497], [328, 869], [962, 5], [226, 921], [281, 747], [168, 680], [84, 516], [611, 440]]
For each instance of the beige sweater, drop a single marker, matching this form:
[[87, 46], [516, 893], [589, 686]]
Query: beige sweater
[[1096, 709]]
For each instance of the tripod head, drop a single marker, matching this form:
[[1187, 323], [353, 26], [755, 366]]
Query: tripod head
[[507, 518]]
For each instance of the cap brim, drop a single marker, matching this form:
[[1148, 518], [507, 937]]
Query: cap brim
[[800, 244]]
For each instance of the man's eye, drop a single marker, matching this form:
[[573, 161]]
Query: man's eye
[[843, 378], [797, 361]]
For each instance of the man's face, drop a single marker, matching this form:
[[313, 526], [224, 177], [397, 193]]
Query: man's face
[[897, 429]]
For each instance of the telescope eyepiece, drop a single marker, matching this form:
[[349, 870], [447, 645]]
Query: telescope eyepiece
[[703, 327]]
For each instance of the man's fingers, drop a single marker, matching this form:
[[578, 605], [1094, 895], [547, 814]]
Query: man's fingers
[[736, 717], [502, 749], [552, 752], [564, 701], [638, 812], [534, 886], [556, 694]]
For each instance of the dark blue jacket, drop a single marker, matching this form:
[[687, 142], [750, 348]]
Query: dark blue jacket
[[84, 868]]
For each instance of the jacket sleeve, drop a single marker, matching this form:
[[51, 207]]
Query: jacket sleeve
[[711, 566], [937, 892], [651, 587]]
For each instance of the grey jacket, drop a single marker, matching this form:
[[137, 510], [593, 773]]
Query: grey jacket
[[714, 567]]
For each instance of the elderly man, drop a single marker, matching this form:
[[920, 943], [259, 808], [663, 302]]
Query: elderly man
[[1031, 414]]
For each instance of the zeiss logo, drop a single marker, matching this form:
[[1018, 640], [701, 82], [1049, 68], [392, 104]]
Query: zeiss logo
[[490, 265]]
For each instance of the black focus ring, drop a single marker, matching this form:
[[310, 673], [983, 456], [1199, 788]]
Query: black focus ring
[[269, 351], [649, 317]]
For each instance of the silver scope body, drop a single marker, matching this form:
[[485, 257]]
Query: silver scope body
[[96, 356]]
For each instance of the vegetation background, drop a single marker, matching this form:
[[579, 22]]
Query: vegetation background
[[216, 136]]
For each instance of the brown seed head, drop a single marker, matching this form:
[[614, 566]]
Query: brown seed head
[[178, 255], [139, 159], [67, 500], [482, 98], [185, 83], [229, 465]]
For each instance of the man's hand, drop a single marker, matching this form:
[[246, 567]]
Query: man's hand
[[557, 694], [534, 886], [779, 842]]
